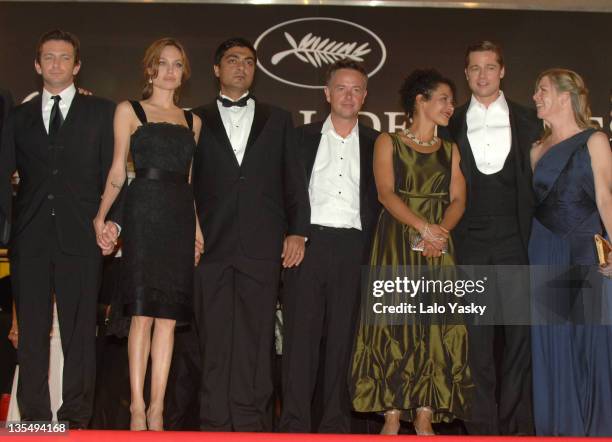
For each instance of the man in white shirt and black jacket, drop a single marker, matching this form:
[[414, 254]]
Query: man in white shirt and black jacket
[[494, 136], [252, 204], [61, 144], [321, 296]]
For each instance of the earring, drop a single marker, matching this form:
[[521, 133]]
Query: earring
[[150, 80]]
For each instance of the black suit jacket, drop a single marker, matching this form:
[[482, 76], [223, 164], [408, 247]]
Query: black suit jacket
[[526, 129], [69, 173], [246, 210], [309, 138]]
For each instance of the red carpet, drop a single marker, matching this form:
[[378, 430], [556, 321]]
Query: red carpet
[[127, 436]]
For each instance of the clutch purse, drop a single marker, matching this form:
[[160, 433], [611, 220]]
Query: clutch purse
[[603, 247], [416, 241]]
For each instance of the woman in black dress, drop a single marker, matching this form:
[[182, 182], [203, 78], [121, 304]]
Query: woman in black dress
[[159, 229]]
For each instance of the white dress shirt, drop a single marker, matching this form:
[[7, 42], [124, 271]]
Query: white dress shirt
[[47, 103], [488, 129], [334, 183], [237, 122]]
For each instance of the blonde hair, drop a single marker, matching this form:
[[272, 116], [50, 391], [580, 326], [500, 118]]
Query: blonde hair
[[565, 80], [150, 64]]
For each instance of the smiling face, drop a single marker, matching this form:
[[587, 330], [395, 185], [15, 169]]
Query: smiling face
[[170, 69], [548, 101], [484, 75], [346, 93], [57, 65], [236, 71], [439, 108]]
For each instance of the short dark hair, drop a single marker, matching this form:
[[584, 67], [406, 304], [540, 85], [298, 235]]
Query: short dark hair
[[58, 34], [421, 82], [345, 63], [482, 46], [232, 43]]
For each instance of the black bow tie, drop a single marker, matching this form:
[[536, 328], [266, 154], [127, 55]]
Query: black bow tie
[[226, 102]]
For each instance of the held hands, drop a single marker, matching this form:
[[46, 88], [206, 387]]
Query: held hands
[[106, 235], [293, 250]]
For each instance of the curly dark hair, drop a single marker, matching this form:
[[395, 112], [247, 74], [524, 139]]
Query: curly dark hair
[[421, 82]]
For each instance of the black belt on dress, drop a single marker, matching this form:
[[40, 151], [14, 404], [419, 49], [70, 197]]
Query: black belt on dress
[[161, 175]]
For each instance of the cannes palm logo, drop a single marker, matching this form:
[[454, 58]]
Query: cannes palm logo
[[297, 52]]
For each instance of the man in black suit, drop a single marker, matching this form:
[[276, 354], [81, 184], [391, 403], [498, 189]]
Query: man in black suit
[[252, 205], [61, 144], [321, 296], [494, 136]]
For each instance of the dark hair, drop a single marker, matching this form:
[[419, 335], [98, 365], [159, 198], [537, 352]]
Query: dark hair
[[421, 82], [232, 43], [150, 65], [58, 34], [345, 63], [483, 46]]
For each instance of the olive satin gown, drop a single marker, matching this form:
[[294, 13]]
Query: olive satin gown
[[422, 362]]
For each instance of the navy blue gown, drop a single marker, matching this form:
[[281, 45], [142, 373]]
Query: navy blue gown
[[571, 349]]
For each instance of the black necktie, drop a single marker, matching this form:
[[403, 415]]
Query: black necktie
[[55, 119], [226, 102]]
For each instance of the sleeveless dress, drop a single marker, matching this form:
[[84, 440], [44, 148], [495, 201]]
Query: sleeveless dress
[[159, 222], [571, 349], [424, 362]]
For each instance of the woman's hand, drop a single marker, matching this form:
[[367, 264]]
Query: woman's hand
[[430, 251], [606, 270]]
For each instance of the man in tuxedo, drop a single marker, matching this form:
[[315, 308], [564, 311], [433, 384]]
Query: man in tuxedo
[[252, 204], [494, 136], [61, 144], [321, 296]]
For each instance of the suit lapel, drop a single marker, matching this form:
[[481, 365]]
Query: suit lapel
[[463, 142], [36, 119], [517, 142], [365, 169], [262, 113], [73, 112], [310, 147], [215, 124]]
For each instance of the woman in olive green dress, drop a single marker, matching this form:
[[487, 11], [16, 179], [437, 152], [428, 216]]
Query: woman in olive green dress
[[417, 370]]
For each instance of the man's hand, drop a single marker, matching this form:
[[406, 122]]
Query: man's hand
[[199, 245], [293, 250], [13, 335]]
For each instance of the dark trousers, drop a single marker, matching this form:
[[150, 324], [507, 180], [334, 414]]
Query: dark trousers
[[235, 303], [502, 402], [320, 299], [75, 281]]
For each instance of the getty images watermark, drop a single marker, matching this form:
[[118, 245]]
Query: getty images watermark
[[485, 295], [412, 288]]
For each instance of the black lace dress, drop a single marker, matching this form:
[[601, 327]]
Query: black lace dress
[[159, 222]]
